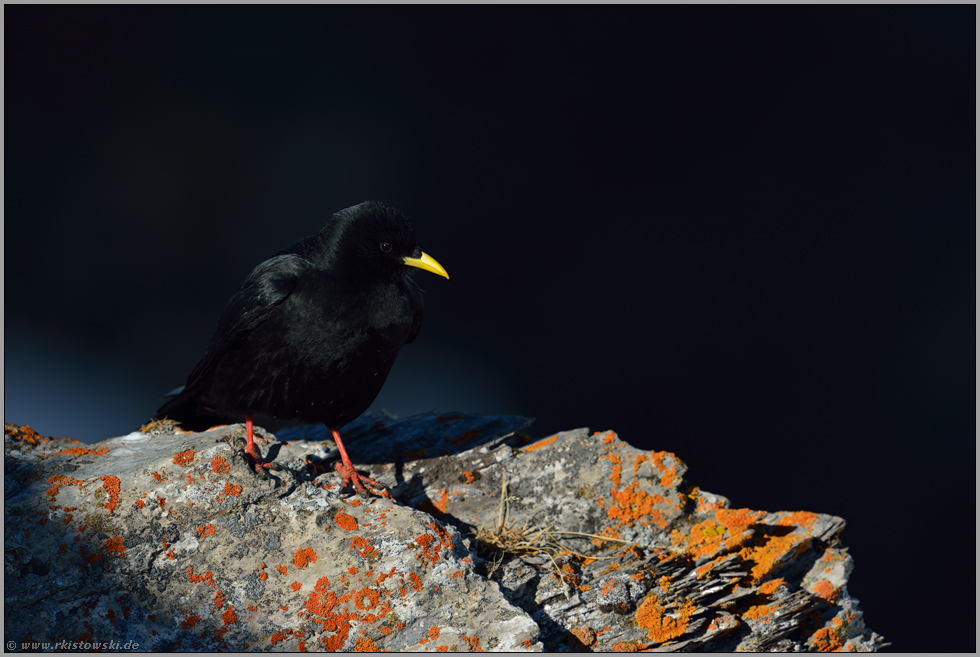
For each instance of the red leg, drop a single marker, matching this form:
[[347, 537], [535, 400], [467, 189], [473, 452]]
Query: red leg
[[346, 470], [251, 452]]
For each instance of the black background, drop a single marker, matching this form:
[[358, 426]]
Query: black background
[[744, 235]]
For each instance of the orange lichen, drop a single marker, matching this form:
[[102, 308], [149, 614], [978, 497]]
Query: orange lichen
[[431, 549], [277, 637], [433, 635], [586, 635], [469, 477], [206, 577], [610, 532], [219, 465], [759, 612], [229, 617], [660, 625], [416, 581], [189, 622], [321, 604], [702, 540], [219, 599], [368, 551], [263, 576], [345, 521], [627, 646], [541, 443], [635, 505], [443, 502], [58, 481], [365, 599], [78, 451], [156, 475], [282, 569], [770, 587], [617, 469], [304, 557], [186, 457], [111, 485], [364, 644], [803, 519], [232, 490], [568, 575], [140, 504], [826, 590], [473, 642], [827, 639], [115, 544], [668, 476], [737, 520], [205, 529], [769, 553], [295, 586], [161, 502], [26, 434], [383, 576]]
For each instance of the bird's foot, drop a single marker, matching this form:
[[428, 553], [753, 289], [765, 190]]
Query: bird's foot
[[253, 457], [350, 476]]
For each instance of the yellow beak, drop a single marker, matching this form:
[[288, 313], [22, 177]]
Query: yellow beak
[[428, 263]]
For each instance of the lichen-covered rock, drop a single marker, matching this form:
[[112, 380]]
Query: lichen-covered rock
[[629, 556], [171, 541]]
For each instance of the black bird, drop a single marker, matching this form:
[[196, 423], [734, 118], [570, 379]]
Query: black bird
[[313, 332]]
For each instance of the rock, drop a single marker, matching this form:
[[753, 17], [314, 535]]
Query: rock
[[493, 541]]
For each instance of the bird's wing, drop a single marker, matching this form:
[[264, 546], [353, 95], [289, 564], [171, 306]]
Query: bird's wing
[[269, 284], [415, 292]]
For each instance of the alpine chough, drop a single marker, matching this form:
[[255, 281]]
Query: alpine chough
[[313, 331]]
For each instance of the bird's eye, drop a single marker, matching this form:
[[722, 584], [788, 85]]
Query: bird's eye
[[386, 247]]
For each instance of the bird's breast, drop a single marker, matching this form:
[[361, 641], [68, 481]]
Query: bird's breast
[[315, 361]]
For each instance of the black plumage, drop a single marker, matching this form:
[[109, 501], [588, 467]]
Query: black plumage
[[313, 332]]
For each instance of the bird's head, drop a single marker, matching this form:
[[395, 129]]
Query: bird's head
[[372, 240]]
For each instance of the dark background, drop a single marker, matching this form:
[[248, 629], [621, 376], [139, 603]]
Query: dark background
[[745, 235]]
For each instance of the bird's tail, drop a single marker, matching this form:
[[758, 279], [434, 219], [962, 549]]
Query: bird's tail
[[190, 409]]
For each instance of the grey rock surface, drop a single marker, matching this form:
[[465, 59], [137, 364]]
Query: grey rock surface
[[492, 541], [171, 542]]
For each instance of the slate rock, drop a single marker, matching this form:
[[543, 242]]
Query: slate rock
[[170, 541], [491, 540]]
